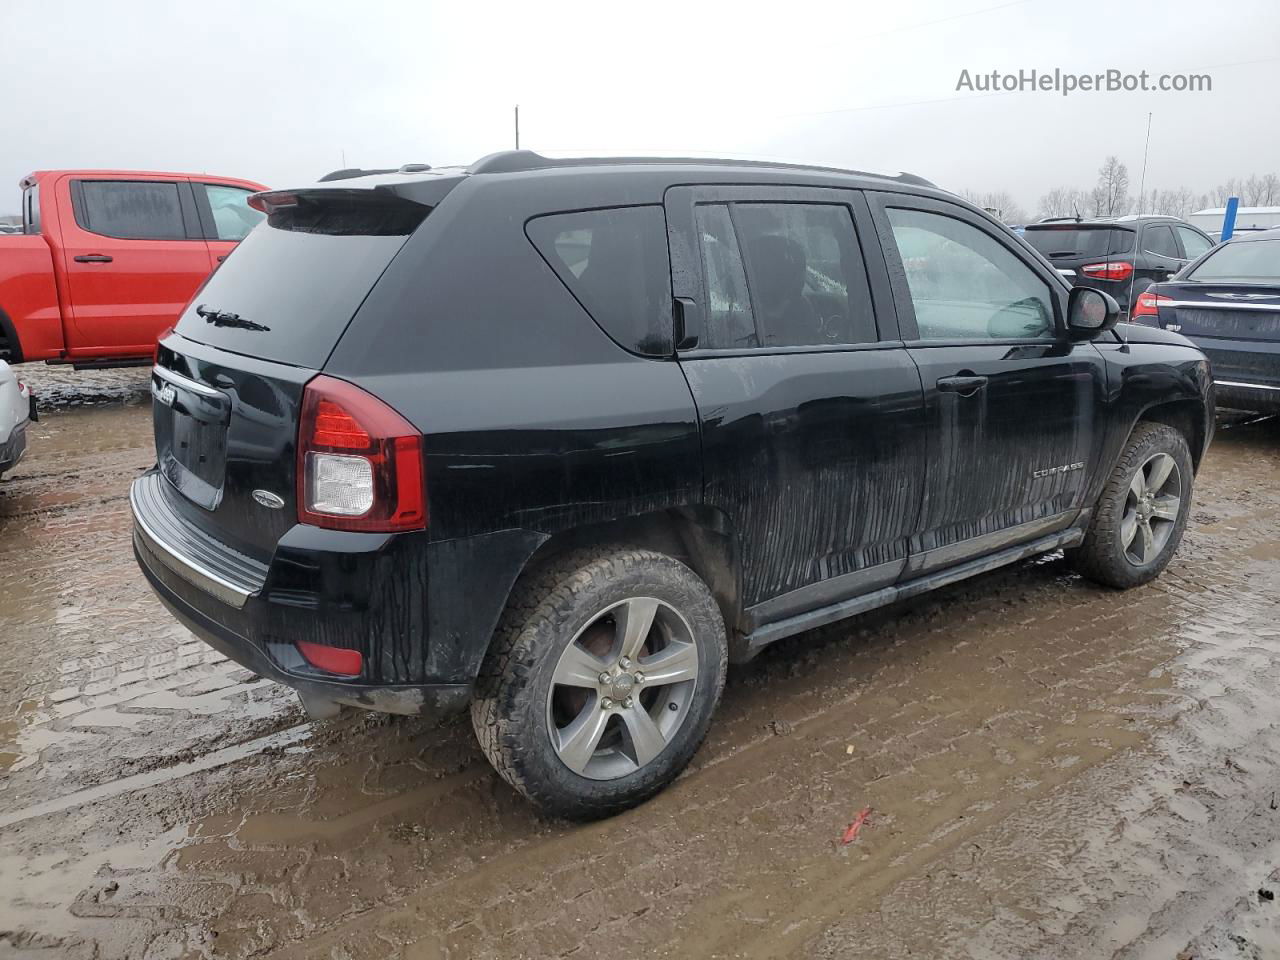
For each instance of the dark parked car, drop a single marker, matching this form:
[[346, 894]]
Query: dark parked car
[[561, 439], [1121, 256], [1228, 304]]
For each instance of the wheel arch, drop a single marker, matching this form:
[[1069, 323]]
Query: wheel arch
[[1188, 416], [10, 345], [700, 537]]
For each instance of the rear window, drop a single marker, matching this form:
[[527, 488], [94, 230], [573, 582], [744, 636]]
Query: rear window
[[301, 274], [31, 209], [1075, 240], [615, 263], [1249, 261]]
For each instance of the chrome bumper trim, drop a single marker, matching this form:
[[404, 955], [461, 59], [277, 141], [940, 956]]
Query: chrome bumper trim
[[187, 569], [1248, 386]]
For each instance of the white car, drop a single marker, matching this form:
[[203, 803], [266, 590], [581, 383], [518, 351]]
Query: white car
[[17, 409]]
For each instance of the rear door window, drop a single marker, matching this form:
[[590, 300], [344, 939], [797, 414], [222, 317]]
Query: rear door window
[[783, 275], [730, 322], [1158, 240], [805, 273], [291, 286], [615, 263], [130, 209]]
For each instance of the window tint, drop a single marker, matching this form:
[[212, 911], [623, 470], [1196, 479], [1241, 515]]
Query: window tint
[[729, 320], [232, 215], [965, 284], [804, 270], [615, 262], [31, 209], [1249, 261], [1058, 242], [302, 275], [1193, 244], [1158, 239], [137, 210]]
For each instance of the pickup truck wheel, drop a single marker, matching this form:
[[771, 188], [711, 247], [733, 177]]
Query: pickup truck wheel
[[601, 679], [1139, 519]]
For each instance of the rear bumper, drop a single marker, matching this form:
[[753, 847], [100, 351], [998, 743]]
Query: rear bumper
[[12, 450], [1242, 395], [1246, 373], [248, 612]]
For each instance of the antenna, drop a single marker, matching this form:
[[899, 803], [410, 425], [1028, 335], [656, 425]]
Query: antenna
[[517, 126], [1137, 234]]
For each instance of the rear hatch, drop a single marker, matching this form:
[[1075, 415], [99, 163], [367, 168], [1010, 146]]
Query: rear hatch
[[228, 383], [1071, 247], [1229, 304]]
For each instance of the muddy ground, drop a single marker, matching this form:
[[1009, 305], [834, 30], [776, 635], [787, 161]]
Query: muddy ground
[[1055, 770]]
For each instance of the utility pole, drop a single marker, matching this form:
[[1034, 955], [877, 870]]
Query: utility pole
[[517, 126]]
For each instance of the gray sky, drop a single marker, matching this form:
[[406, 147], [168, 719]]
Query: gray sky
[[277, 91]]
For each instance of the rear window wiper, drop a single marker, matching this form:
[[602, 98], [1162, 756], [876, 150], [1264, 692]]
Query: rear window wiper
[[224, 318]]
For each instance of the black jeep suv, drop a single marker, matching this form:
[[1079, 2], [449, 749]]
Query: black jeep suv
[[561, 439]]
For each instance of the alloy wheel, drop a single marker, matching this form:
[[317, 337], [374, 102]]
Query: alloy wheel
[[622, 688], [1151, 509]]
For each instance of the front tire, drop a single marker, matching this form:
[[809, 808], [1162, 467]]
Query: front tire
[[1140, 518], [601, 680]]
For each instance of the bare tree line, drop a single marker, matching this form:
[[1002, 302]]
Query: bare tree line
[[1110, 197]]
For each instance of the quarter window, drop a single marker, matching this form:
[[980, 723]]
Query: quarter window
[[966, 285], [232, 215], [133, 210], [615, 263]]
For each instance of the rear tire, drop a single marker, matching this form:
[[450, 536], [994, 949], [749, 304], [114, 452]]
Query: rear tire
[[1139, 520], [601, 680]]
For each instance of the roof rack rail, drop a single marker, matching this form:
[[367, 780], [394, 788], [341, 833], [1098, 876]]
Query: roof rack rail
[[515, 161], [348, 172]]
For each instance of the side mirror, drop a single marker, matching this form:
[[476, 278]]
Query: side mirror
[[1091, 312]]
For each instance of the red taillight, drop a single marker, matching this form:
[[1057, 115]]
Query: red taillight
[[359, 462], [1148, 305], [331, 659], [267, 201], [1112, 270]]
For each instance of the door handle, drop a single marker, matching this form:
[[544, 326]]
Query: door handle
[[965, 386], [93, 258]]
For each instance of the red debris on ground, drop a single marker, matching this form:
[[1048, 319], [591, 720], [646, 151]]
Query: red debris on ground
[[851, 834]]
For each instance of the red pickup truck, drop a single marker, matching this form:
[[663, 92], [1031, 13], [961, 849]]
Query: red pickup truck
[[108, 259]]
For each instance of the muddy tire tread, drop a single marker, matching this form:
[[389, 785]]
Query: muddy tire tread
[[539, 609], [1100, 557]]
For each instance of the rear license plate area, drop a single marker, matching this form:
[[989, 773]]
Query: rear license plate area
[[191, 436]]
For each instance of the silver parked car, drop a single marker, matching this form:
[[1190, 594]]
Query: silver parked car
[[17, 409]]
